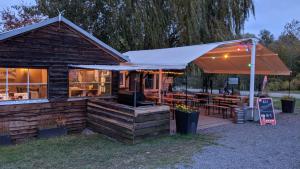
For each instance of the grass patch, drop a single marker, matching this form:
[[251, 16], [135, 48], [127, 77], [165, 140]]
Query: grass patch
[[76, 151]]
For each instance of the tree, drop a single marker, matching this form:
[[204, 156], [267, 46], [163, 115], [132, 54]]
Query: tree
[[292, 30], [146, 24], [19, 16], [265, 37], [288, 46]]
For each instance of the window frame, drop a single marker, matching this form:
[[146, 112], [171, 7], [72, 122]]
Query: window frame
[[28, 84], [152, 81], [99, 83]]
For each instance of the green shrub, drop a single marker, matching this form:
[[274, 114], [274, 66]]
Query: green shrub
[[288, 98]]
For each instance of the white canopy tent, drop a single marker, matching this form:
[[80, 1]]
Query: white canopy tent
[[212, 58], [178, 56]]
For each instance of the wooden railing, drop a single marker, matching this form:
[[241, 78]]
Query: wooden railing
[[125, 123]]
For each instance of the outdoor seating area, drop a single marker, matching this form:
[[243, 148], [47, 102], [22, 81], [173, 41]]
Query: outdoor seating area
[[205, 103]]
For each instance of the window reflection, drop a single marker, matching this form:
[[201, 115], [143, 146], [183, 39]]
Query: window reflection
[[23, 83], [84, 83], [2, 84]]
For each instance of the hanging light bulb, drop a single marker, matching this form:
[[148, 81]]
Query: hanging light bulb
[[238, 49], [213, 58], [249, 65], [226, 56]]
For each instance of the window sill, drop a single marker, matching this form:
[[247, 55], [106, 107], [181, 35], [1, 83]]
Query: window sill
[[16, 102], [91, 97]]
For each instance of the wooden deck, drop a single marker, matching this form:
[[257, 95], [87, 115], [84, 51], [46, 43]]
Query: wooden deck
[[204, 122]]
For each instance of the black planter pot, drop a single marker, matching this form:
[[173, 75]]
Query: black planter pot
[[288, 106], [5, 140], [186, 123], [52, 132]]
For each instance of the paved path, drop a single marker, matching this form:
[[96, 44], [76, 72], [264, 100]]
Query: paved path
[[250, 146]]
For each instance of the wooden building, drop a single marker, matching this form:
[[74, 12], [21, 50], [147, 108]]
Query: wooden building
[[38, 83]]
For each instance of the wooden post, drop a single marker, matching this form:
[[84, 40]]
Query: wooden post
[[135, 88], [186, 89], [160, 87]]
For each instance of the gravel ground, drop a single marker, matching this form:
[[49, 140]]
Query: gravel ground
[[250, 146]]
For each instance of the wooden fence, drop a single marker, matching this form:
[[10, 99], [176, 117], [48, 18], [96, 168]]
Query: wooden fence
[[127, 124]]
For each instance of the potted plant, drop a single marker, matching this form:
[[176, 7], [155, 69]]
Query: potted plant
[[186, 120], [288, 104], [5, 138], [52, 127]]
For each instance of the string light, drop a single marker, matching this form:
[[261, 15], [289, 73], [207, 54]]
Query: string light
[[226, 56], [249, 65], [213, 58], [164, 72]]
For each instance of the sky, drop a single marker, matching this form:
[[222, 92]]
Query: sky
[[270, 14]]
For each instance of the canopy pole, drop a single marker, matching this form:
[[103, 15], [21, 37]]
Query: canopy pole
[[252, 77], [135, 88], [160, 86], [186, 89]]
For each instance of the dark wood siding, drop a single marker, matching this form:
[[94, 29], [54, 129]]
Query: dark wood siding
[[23, 120], [115, 82], [125, 123], [53, 47]]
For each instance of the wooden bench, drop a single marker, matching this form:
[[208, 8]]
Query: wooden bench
[[224, 109]]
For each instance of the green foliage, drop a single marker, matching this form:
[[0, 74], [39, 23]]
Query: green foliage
[[291, 98], [266, 38], [277, 84], [184, 108], [146, 24], [288, 46], [19, 16]]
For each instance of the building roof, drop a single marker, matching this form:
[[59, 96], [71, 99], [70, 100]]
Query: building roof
[[18, 31], [128, 67]]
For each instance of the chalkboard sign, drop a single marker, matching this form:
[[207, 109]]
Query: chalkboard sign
[[266, 111]]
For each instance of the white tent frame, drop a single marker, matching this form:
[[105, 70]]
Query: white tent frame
[[182, 65]]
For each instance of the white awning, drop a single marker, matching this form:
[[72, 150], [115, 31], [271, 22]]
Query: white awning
[[230, 57], [129, 67], [178, 56]]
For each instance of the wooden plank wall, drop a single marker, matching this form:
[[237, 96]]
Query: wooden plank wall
[[53, 47], [151, 125], [23, 120], [120, 122]]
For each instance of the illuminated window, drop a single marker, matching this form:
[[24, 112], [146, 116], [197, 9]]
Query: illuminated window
[[83, 82], [23, 83]]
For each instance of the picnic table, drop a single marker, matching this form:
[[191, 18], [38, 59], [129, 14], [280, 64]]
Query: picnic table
[[226, 99], [153, 98], [182, 95]]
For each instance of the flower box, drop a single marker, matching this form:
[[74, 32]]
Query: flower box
[[186, 122], [288, 105]]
